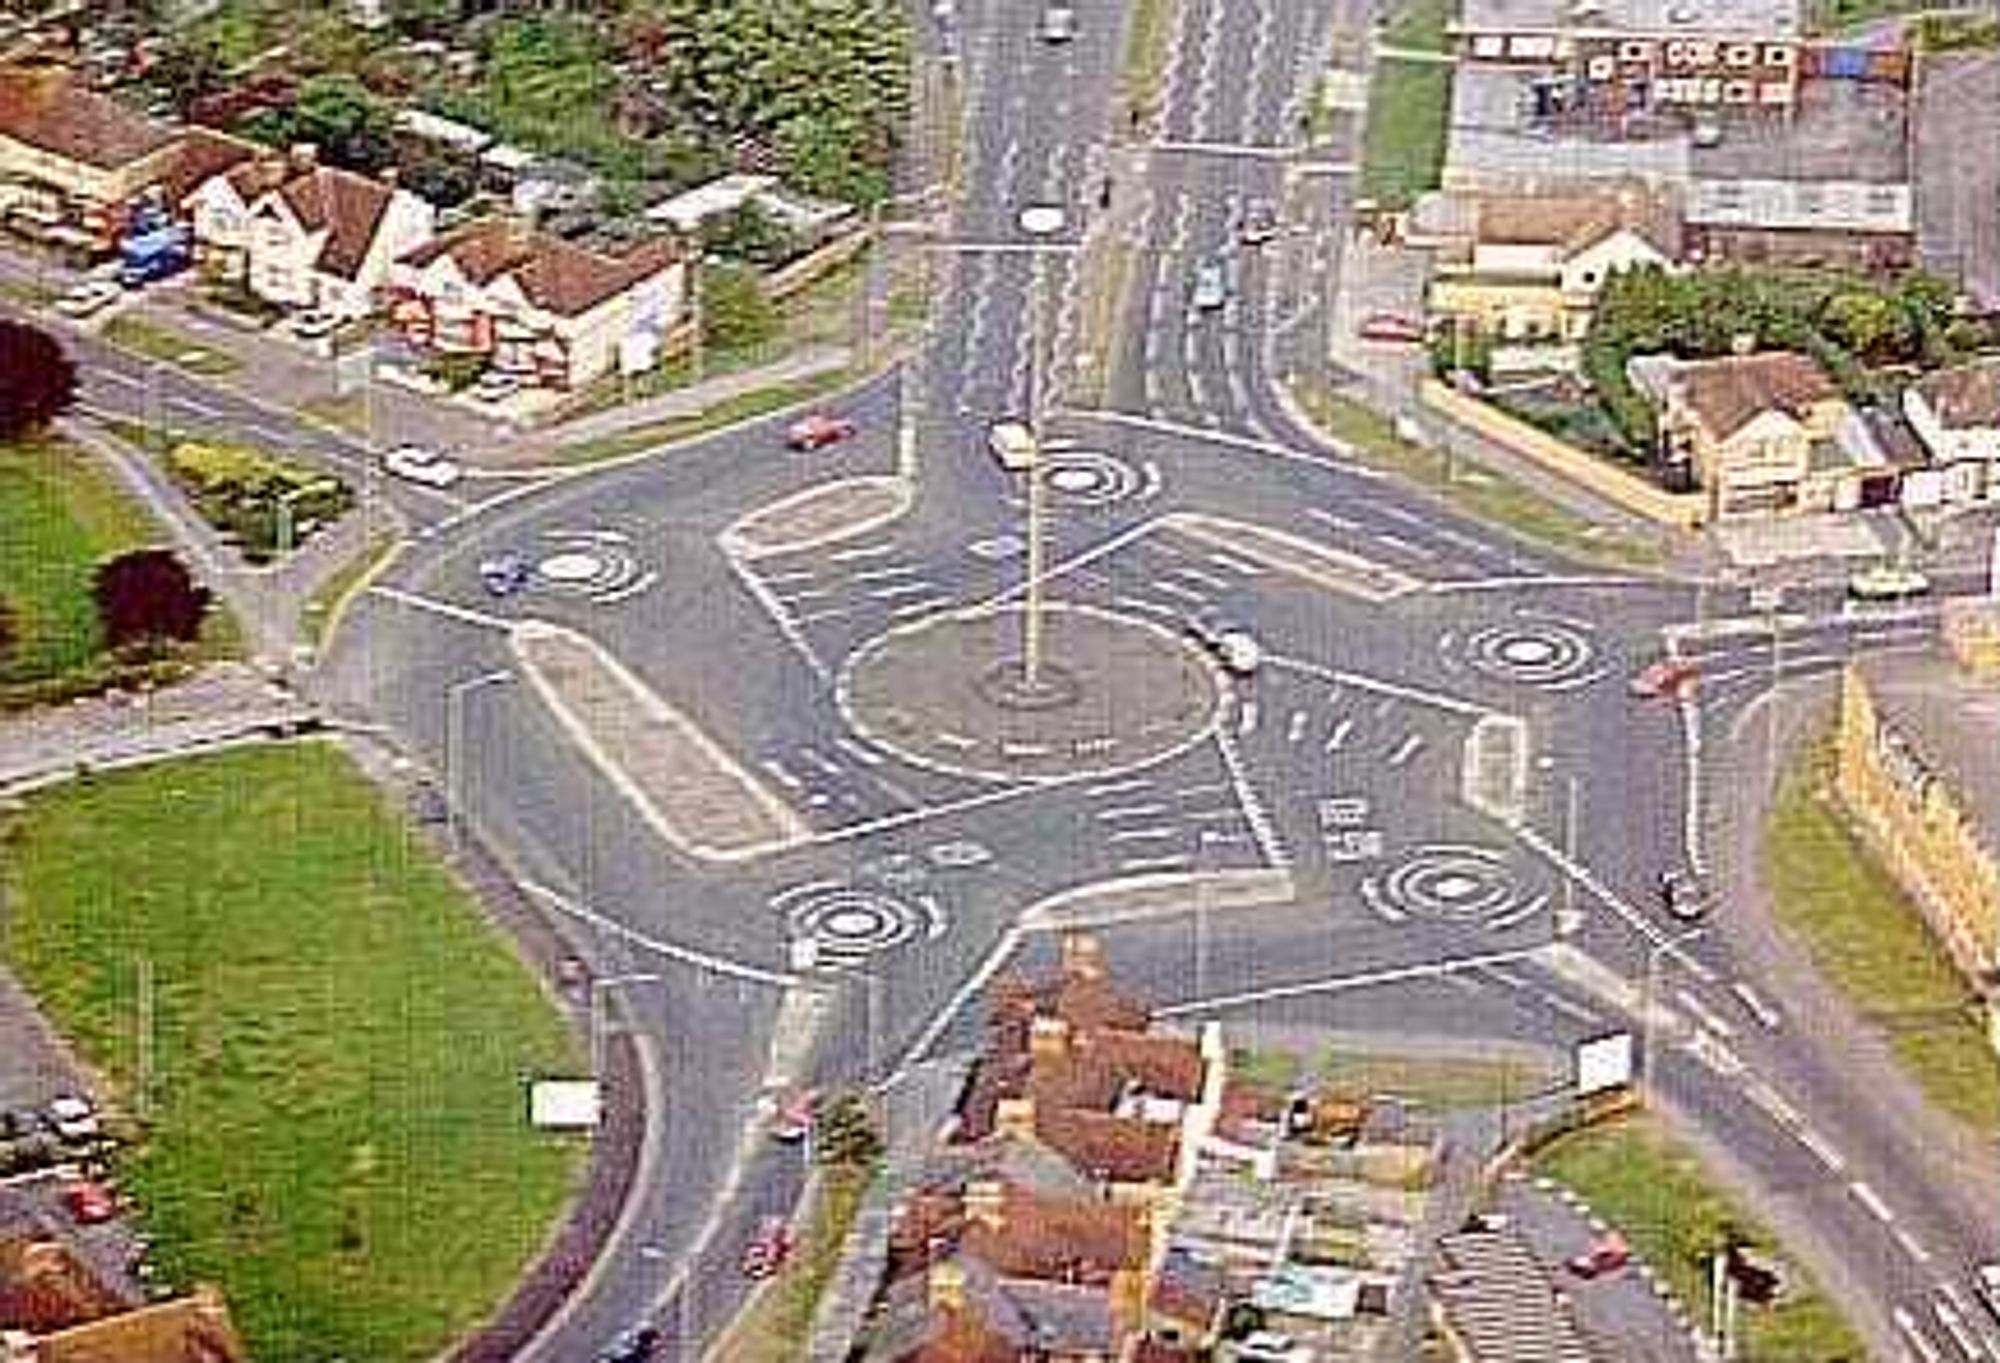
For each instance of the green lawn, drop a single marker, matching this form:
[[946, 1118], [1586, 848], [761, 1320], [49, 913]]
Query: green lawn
[[1441, 1081], [62, 513], [1420, 25], [174, 347], [777, 1324], [1866, 937], [1409, 109], [340, 1045], [1477, 492], [1654, 1192]]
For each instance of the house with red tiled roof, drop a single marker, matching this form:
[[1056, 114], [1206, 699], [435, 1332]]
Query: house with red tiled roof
[[299, 234], [72, 157], [550, 311], [192, 1329]]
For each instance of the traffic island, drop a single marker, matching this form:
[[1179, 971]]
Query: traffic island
[[953, 693], [818, 516]]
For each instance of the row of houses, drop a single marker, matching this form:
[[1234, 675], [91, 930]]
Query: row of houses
[[82, 171]]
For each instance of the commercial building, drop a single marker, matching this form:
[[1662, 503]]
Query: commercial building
[[71, 158]]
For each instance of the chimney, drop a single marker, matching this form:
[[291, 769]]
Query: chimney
[[1048, 1038], [986, 1203], [1082, 956], [1014, 1119], [304, 157], [946, 1287]]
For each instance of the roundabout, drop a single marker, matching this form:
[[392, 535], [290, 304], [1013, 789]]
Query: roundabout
[[952, 694], [1466, 886], [1546, 654]]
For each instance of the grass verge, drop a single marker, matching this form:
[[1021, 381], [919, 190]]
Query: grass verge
[[1867, 938], [338, 1123], [1409, 108], [176, 348], [348, 413], [1477, 492], [1421, 25], [741, 407], [1147, 41], [1654, 1192], [1439, 1081], [776, 1326], [323, 605]]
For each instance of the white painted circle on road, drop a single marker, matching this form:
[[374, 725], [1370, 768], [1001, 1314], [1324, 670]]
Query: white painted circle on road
[[1075, 480], [1528, 651], [570, 567], [1041, 220]]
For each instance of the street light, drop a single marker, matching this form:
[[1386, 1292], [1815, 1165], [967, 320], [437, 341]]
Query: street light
[[1648, 992], [454, 743], [595, 1006]]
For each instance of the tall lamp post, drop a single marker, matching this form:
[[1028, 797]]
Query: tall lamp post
[[454, 748]]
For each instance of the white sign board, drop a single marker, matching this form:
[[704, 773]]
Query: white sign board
[[1603, 1063], [565, 1104]]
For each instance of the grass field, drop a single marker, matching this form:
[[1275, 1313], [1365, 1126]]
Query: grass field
[[1409, 108], [63, 513], [338, 1130], [1420, 25], [1656, 1194], [1867, 939], [777, 1324], [1440, 1081], [1478, 492], [162, 343]]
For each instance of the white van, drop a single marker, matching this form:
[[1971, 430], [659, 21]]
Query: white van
[[1013, 444]]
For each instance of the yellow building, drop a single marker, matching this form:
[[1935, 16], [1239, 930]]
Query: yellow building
[[1920, 769]]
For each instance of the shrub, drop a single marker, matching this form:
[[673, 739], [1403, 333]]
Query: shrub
[[37, 379], [147, 598], [254, 499]]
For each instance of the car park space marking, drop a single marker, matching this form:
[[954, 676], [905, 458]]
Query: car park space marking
[[1919, 1341]]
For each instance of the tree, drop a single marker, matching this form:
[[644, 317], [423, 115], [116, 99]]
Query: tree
[[146, 598], [845, 1135], [735, 314], [337, 114], [37, 380], [749, 235]]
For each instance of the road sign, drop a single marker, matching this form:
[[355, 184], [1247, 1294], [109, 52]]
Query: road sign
[[1602, 1063]]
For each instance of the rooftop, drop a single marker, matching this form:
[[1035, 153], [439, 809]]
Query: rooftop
[[1965, 397], [1749, 18], [1727, 394], [554, 275], [46, 107]]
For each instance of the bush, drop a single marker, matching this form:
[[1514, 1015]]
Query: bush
[[456, 371], [37, 379], [735, 313], [147, 598], [254, 499], [846, 1135]]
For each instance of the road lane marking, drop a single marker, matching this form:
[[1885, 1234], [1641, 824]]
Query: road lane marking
[[1872, 1202], [1393, 690], [1339, 734], [1152, 833], [861, 551], [1705, 1015], [1773, 1105], [1118, 812], [1816, 1145], [883, 574], [923, 607], [1408, 748], [1118, 787], [447, 609], [1296, 728], [1766, 1015], [671, 950], [1134, 864], [1336, 984], [1919, 1341]]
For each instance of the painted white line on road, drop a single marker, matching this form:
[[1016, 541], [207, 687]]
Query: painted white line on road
[[1773, 1105], [736, 970], [1117, 812], [1818, 1147], [897, 590], [883, 574], [1201, 578], [1520, 583], [1132, 864], [1336, 984], [1339, 734], [1236, 565], [1914, 1247], [861, 551], [1118, 787], [1338, 522], [1392, 690], [1753, 1002], [1179, 592], [1388, 541], [1139, 603], [1871, 1201], [923, 607], [781, 617], [1410, 746], [1255, 151], [1919, 1341], [1705, 1015], [1246, 718], [447, 609], [783, 774], [1587, 880], [1152, 833], [973, 987], [864, 755]]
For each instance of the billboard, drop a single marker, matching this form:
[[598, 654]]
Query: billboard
[[564, 1104], [1602, 1063]]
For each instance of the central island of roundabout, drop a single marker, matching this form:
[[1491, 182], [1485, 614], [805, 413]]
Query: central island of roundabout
[[997, 694]]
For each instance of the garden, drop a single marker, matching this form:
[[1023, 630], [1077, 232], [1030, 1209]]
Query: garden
[[264, 506]]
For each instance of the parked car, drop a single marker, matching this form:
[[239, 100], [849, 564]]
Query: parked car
[[505, 574], [818, 430], [1235, 648], [1058, 23], [314, 324], [1606, 1255], [1673, 678], [1211, 286], [1887, 582], [1683, 895], [1260, 224], [88, 1203], [74, 1119], [495, 385], [769, 1250], [793, 1121], [1387, 326], [420, 464], [89, 297], [636, 1345]]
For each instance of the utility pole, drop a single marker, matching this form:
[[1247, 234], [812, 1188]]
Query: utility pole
[[1031, 623], [1568, 920]]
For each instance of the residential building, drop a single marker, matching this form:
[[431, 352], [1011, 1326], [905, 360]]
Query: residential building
[[1920, 772], [56, 1308], [553, 311], [299, 234], [1956, 415], [72, 158], [1530, 267], [1766, 432]]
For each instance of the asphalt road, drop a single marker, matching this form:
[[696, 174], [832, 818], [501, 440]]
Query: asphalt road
[[1340, 765]]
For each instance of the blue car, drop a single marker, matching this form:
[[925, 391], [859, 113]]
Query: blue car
[[505, 574]]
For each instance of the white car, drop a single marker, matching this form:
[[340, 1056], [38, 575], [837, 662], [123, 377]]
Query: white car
[[1236, 649], [1013, 444], [313, 324], [1887, 582], [422, 465], [1211, 286], [90, 296], [495, 386], [1058, 23], [74, 1118]]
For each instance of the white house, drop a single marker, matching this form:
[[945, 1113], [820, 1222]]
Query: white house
[[549, 310], [1956, 414], [302, 235]]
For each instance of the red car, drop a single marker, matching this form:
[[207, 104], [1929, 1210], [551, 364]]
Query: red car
[[769, 1250], [1673, 678], [1386, 326], [819, 430], [1606, 1256], [89, 1203]]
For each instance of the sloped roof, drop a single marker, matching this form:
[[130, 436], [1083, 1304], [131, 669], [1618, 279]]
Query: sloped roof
[[346, 206], [192, 1329], [554, 275], [1575, 222], [1729, 393], [1965, 397], [1049, 1239], [1114, 1149], [44, 1287], [46, 107], [202, 155]]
